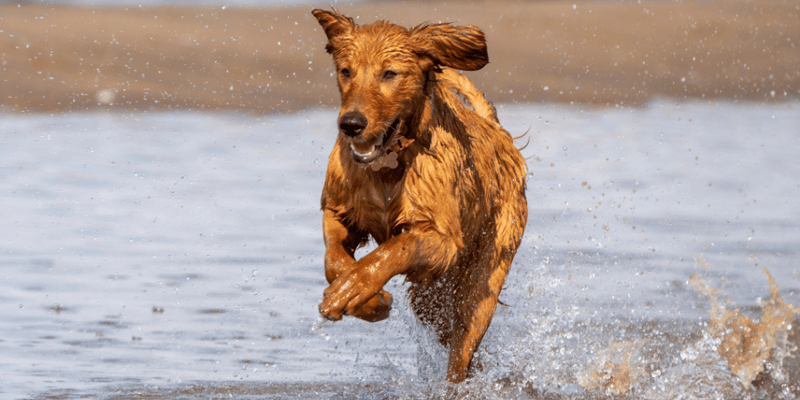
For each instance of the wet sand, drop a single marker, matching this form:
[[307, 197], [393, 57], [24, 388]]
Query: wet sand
[[57, 58]]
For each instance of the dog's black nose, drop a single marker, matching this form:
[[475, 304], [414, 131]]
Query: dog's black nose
[[352, 123]]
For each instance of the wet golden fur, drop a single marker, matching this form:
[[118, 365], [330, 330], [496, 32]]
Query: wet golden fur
[[422, 166]]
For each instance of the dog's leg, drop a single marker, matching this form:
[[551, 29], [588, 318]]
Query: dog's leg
[[476, 305], [465, 342], [398, 255], [478, 293], [340, 246]]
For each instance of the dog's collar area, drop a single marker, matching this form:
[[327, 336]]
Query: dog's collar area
[[389, 160], [400, 144]]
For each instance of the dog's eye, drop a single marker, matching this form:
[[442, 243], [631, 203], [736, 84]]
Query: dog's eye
[[388, 75], [345, 72]]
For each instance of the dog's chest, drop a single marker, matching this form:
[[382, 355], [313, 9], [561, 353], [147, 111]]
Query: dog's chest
[[380, 210]]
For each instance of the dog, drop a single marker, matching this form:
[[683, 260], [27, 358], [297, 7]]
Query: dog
[[422, 166]]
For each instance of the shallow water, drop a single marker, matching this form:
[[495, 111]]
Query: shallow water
[[179, 255]]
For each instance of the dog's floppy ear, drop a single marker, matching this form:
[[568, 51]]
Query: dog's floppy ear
[[459, 47], [333, 23]]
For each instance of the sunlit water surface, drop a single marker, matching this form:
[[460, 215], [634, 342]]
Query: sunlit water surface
[[179, 255]]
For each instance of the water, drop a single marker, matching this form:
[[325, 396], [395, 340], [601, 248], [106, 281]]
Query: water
[[179, 255]]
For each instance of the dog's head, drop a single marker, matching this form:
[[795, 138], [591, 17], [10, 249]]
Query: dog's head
[[382, 71]]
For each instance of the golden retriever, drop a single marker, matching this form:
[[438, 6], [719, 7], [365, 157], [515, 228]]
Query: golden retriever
[[422, 166]]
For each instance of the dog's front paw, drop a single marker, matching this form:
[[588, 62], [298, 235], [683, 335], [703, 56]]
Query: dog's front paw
[[354, 294], [377, 308], [328, 313]]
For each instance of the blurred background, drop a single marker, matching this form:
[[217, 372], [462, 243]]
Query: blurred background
[[268, 56]]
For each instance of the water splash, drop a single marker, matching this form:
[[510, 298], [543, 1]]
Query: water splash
[[747, 344], [554, 351], [615, 371], [700, 373], [425, 375]]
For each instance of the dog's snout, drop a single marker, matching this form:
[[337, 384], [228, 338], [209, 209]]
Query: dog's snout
[[352, 123]]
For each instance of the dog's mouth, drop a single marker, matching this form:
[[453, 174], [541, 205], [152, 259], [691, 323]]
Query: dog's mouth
[[376, 150]]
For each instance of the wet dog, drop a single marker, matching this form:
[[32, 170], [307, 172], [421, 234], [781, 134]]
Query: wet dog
[[422, 166]]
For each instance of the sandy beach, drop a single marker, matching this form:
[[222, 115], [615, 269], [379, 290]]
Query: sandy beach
[[266, 60]]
